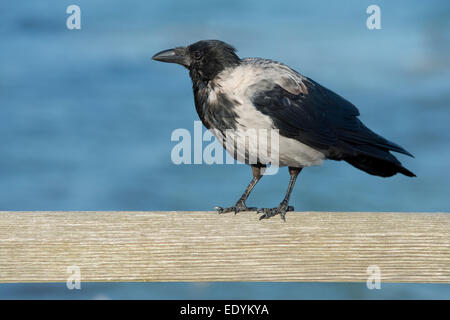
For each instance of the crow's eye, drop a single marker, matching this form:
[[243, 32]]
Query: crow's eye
[[197, 55]]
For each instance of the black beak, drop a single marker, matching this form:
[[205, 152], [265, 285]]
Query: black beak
[[177, 55]]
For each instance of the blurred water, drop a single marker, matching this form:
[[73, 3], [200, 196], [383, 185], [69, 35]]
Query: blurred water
[[87, 117], [225, 290]]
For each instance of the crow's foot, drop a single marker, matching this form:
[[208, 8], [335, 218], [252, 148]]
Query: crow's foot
[[238, 207], [270, 212]]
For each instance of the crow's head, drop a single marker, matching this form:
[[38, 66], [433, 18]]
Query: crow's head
[[204, 59]]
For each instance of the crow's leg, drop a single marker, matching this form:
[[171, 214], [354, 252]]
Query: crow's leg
[[284, 205], [240, 205]]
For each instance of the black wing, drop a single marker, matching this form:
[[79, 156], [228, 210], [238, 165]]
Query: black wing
[[327, 122]]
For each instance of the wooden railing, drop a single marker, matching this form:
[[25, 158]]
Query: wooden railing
[[205, 246]]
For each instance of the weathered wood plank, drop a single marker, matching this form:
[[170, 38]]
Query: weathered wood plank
[[203, 246]]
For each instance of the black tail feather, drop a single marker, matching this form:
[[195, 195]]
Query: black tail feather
[[378, 167]]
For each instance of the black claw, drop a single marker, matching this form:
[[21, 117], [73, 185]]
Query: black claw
[[266, 212], [263, 210], [270, 212], [236, 208]]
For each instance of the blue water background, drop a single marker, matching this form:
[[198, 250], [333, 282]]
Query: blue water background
[[86, 117]]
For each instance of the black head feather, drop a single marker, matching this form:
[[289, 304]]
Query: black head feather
[[209, 57]]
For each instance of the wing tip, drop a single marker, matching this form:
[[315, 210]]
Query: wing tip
[[406, 172]]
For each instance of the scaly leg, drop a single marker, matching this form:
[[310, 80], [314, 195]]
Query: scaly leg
[[240, 205], [284, 205]]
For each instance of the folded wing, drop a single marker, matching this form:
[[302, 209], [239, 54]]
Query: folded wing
[[327, 122]]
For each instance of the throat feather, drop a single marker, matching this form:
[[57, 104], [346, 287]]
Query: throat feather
[[215, 109]]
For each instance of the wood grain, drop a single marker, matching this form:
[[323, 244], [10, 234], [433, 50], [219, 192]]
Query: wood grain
[[204, 246]]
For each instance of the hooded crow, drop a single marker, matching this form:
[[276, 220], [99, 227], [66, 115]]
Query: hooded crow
[[313, 122]]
